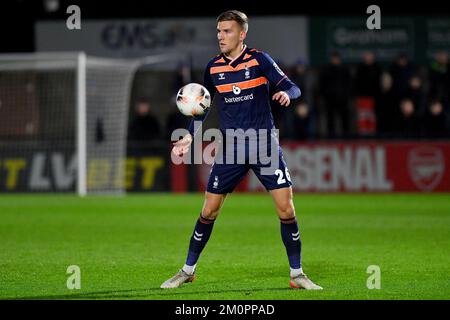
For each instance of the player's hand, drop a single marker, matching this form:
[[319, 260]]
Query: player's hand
[[182, 146], [282, 97]]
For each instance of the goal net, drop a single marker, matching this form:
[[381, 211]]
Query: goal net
[[63, 121]]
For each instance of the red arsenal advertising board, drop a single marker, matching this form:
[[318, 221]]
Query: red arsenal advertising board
[[360, 167]]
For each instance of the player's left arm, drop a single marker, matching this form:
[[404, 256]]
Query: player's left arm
[[286, 89]]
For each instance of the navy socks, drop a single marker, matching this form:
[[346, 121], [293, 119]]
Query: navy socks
[[199, 238], [290, 235], [291, 239]]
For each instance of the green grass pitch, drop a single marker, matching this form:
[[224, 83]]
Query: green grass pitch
[[127, 246]]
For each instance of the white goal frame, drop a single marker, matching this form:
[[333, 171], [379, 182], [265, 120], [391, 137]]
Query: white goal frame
[[78, 61]]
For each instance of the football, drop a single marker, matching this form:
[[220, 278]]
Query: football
[[193, 99]]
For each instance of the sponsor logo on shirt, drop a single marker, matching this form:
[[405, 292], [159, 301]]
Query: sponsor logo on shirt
[[238, 99]]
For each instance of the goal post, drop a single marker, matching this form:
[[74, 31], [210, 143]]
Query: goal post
[[81, 144], [70, 110]]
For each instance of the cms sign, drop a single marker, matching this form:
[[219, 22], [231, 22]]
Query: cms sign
[[144, 35]]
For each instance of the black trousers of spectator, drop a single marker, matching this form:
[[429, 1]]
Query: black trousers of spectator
[[337, 110]]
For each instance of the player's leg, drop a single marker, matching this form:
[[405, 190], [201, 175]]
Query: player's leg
[[280, 187], [290, 235], [200, 236], [222, 180], [203, 229]]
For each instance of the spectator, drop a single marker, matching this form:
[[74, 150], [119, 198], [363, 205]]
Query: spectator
[[300, 76], [401, 72], [367, 86], [335, 90], [408, 122], [416, 93], [144, 126], [182, 76], [176, 120], [386, 109], [368, 77], [300, 117], [439, 76], [299, 121], [434, 121]]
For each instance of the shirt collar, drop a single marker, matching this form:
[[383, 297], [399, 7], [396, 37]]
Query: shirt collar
[[231, 61]]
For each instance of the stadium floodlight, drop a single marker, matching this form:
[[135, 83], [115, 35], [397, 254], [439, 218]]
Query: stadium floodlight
[[75, 105]]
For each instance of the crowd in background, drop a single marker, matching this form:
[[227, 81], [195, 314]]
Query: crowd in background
[[400, 100], [368, 99]]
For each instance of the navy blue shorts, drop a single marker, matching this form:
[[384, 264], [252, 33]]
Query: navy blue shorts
[[226, 175]]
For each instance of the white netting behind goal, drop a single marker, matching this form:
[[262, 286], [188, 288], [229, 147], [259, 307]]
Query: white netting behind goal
[[63, 121], [108, 86]]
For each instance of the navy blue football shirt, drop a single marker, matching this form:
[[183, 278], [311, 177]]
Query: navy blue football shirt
[[243, 85]]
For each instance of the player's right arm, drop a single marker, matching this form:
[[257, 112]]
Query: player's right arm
[[182, 146]]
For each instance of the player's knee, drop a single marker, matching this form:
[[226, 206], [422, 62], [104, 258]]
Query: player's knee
[[286, 211], [212, 205], [210, 212]]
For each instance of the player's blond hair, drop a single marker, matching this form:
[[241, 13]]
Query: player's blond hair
[[234, 15]]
